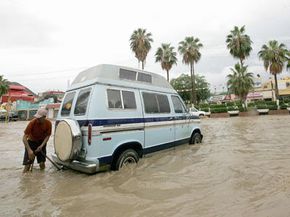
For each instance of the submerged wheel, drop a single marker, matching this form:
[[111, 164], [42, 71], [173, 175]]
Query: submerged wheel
[[195, 138], [127, 157]]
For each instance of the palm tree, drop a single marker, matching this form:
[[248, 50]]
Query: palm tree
[[167, 57], [288, 59], [140, 43], [4, 87], [274, 56], [189, 49], [239, 44], [240, 82]]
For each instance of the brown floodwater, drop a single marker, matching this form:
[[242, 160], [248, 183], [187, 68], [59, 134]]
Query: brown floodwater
[[242, 169]]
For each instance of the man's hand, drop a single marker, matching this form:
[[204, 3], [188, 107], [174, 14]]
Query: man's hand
[[38, 149], [31, 155]]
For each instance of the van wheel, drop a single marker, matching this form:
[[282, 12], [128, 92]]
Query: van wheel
[[195, 138], [127, 157]]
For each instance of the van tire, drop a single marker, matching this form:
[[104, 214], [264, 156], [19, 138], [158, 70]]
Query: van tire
[[195, 138], [126, 157]]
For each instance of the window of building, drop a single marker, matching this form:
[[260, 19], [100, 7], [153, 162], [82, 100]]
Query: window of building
[[287, 84], [178, 105], [82, 102], [67, 104]]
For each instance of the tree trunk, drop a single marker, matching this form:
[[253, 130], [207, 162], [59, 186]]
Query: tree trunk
[[241, 60], [167, 71], [143, 63], [276, 87], [193, 92]]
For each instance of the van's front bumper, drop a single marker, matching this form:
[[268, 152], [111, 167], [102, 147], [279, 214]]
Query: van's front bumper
[[82, 166]]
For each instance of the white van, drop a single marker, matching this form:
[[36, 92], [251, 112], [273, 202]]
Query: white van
[[112, 116]]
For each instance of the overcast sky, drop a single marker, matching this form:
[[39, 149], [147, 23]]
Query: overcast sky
[[44, 44]]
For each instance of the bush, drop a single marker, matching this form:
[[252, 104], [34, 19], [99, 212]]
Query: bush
[[251, 105], [271, 103], [229, 104], [284, 106], [242, 109], [204, 109], [204, 105], [232, 108], [217, 106], [261, 106], [218, 110], [260, 102], [272, 107]]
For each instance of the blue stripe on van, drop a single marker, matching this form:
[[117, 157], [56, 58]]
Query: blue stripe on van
[[106, 122]]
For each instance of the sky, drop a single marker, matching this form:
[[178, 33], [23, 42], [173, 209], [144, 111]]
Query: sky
[[45, 44]]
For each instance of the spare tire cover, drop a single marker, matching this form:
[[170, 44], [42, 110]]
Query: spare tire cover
[[67, 140]]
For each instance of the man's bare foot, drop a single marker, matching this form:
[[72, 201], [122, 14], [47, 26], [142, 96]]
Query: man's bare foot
[[42, 165], [26, 168]]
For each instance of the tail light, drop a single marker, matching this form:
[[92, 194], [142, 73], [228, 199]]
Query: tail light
[[89, 134]]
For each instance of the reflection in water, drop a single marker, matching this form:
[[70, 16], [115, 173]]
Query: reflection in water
[[241, 169]]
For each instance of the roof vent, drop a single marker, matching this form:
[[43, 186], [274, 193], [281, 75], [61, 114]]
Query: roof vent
[[127, 74], [144, 77]]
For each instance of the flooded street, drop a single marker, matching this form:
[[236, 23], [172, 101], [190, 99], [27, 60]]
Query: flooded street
[[242, 169]]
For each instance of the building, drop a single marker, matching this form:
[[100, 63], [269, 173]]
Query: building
[[17, 92], [267, 89]]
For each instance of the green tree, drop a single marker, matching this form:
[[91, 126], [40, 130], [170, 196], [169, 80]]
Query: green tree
[[203, 89], [140, 43], [288, 59], [182, 85], [4, 87], [240, 82], [274, 56], [239, 44], [189, 49], [167, 57]]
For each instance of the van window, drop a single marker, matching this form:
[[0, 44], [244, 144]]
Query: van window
[[82, 102], [67, 104], [156, 103], [114, 98], [178, 106], [127, 74], [129, 100], [144, 77], [163, 103]]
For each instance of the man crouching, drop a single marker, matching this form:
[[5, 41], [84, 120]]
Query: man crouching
[[35, 138]]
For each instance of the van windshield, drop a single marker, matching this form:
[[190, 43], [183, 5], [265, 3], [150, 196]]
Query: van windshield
[[67, 104]]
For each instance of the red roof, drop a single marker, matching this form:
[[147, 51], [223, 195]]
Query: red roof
[[16, 87], [17, 92]]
